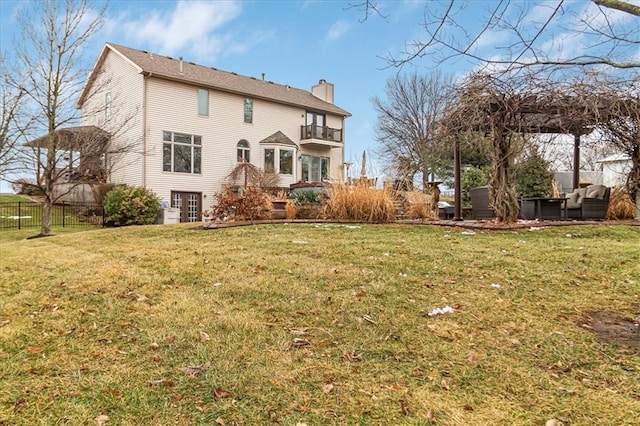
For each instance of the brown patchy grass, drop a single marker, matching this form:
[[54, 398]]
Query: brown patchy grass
[[317, 324]]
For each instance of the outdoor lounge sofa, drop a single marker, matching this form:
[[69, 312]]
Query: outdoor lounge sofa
[[590, 203]]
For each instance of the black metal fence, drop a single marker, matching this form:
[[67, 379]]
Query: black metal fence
[[18, 215]]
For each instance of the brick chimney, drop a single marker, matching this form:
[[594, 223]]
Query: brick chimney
[[323, 90]]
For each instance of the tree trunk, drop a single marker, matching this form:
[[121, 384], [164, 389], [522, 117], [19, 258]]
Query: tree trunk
[[45, 229], [502, 194]]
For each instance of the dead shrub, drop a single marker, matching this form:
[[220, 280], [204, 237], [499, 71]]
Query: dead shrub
[[620, 205], [360, 203], [248, 204]]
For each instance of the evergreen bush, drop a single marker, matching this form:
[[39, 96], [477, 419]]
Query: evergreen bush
[[128, 205], [472, 177]]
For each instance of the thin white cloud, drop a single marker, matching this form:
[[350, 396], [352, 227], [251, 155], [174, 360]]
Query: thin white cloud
[[337, 30], [192, 26]]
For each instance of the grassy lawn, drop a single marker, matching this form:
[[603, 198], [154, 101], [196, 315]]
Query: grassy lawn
[[318, 324]]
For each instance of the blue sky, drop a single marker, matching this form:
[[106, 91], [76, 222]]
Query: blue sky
[[300, 42]]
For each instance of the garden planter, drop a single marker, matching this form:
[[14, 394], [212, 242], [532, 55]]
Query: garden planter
[[309, 211]]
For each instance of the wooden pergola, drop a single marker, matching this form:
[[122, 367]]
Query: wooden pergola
[[535, 114]]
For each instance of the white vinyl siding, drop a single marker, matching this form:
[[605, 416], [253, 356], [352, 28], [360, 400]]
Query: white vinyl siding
[[220, 133], [117, 108]]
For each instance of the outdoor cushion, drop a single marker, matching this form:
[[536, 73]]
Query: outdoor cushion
[[596, 191], [574, 200]]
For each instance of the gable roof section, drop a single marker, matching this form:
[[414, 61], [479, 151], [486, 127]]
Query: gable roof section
[[208, 77], [278, 138]]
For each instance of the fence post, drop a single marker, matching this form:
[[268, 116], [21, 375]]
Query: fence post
[[19, 214], [63, 213]]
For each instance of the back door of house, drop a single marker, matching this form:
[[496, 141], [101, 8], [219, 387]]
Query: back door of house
[[189, 203]]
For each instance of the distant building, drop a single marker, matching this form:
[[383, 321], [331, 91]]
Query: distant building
[[615, 169]]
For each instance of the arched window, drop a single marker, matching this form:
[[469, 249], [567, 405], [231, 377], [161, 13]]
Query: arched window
[[243, 151]]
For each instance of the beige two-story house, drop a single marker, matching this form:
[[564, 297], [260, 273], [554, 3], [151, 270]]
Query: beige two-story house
[[186, 126]]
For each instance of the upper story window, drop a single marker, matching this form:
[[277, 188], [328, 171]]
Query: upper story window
[[203, 102], [107, 106], [248, 110], [316, 123], [243, 151], [181, 153]]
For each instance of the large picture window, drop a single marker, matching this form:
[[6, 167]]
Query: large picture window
[[315, 169], [181, 153]]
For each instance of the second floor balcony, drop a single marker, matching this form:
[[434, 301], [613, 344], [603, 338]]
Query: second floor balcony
[[320, 135]]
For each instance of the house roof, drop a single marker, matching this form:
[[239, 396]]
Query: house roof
[[278, 138], [73, 138], [209, 77], [615, 158]]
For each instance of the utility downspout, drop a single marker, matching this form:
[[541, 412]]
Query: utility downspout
[[343, 174], [144, 130]]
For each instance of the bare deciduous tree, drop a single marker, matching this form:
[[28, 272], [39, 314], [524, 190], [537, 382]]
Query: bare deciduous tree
[[11, 101], [52, 51], [407, 124], [592, 36]]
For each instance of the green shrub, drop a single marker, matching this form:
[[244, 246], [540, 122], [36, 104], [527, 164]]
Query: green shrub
[[472, 177], [308, 196], [128, 205], [532, 176]]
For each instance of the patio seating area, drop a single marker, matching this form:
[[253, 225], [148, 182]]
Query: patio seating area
[[590, 203]]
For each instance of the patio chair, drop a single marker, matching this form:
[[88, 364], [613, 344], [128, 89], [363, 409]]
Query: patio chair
[[480, 203]]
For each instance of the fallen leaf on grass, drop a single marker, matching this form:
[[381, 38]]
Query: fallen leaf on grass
[[193, 370], [352, 356], [142, 298], [204, 337], [221, 393], [219, 421], [102, 419], [4, 322], [404, 406], [327, 388], [171, 339], [35, 349], [368, 319], [299, 343]]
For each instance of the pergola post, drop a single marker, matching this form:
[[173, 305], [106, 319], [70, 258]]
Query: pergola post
[[457, 187], [576, 160]]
